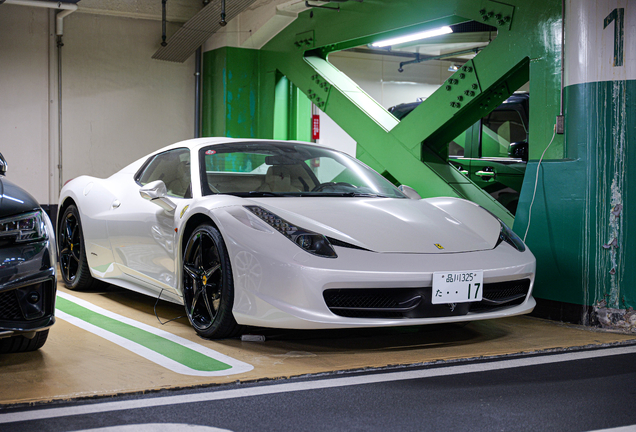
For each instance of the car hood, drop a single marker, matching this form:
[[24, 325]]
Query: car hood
[[438, 225], [14, 199]]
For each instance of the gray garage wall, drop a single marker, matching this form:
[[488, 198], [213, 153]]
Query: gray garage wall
[[118, 103], [24, 88]]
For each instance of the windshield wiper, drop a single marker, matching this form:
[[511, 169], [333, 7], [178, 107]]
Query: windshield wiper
[[343, 194], [256, 194], [365, 195]]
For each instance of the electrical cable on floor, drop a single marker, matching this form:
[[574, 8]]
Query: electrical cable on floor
[[536, 182], [155, 309]]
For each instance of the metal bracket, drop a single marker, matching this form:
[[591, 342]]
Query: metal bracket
[[319, 95], [337, 9]]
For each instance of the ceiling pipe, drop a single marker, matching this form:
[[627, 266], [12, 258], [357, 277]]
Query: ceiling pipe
[[67, 9], [163, 23]]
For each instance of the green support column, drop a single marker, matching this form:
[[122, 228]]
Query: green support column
[[584, 212]]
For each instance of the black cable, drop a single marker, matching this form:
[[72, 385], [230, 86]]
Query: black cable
[[155, 309]]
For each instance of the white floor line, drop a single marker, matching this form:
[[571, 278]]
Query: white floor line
[[208, 396], [631, 428]]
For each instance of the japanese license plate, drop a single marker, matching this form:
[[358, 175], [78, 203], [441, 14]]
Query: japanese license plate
[[457, 286]]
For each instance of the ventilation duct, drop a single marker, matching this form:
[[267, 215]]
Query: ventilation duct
[[198, 29]]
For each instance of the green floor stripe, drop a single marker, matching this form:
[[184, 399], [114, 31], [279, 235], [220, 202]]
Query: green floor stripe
[[165, 347]]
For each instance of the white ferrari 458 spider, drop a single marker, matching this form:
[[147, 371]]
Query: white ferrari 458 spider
[[288, 235]]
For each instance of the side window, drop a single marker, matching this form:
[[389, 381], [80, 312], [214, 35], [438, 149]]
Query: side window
[[173, 168], [500, 129], [457, 146]]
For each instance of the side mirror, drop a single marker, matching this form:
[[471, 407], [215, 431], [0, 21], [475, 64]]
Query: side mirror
[[156, 193], [3, 165], [519, 150], [409, 192]]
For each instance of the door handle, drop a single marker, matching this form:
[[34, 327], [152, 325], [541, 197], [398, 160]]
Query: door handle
[[488, 173], [461, 169]]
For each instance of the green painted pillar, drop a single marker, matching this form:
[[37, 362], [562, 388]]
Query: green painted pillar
[[230, 93], [235, 87], [584, 213]]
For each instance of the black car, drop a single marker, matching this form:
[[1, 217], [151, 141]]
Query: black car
[[27, 269]]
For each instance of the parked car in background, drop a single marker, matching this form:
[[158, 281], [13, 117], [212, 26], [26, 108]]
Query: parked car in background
[[27, 269], [493, 152]]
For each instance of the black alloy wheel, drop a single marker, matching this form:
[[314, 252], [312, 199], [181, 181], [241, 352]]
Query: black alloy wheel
[[208, 288], [72, 256]]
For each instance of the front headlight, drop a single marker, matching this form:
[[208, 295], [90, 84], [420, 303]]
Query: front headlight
[[507, 235], [309, 241], [23, 228]]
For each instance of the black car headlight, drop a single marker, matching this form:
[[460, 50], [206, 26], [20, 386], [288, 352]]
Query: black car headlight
[[24, 228], [507, 235], [314, 243]]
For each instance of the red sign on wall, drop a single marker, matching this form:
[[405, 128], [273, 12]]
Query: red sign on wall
[[315, 127]]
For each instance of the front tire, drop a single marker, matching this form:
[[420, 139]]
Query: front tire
[[208, 287], [72, 253], [16, 344]]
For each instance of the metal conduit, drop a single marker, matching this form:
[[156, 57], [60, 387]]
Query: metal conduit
[[423, 59]]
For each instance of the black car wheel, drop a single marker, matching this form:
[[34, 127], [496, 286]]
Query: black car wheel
[[72, 254], [208, 288], [15, 344]]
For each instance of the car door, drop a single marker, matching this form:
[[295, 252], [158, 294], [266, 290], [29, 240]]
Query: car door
[[142, 233], [501, 154]]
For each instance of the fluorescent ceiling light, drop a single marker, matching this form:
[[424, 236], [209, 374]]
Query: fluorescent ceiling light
[[413, 37]]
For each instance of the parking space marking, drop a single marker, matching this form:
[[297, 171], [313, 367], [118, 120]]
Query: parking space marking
[[165, 349]]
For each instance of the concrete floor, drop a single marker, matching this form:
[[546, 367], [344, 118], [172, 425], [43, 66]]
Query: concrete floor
[[75, 363]]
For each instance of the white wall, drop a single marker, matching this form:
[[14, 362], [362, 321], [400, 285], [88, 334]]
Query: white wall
[[24, 105], [118, 103]]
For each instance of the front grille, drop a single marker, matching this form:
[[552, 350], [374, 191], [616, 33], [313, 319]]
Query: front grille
[[364, 298], [416, 302], [502, 294], [9, 307], [388, 303], [369, 303]]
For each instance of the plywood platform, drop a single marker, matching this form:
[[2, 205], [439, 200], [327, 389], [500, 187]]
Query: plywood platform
[[75, 363]]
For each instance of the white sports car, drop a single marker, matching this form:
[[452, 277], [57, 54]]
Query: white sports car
[[288, 235]]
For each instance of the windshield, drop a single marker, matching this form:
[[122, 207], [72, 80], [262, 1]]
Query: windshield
[[287, 169]]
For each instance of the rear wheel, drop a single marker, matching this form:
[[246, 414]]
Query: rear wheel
[[15, 344], [208, 288], [72, 254]]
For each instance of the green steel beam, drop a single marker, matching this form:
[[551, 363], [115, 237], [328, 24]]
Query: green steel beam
[[414, 151]]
